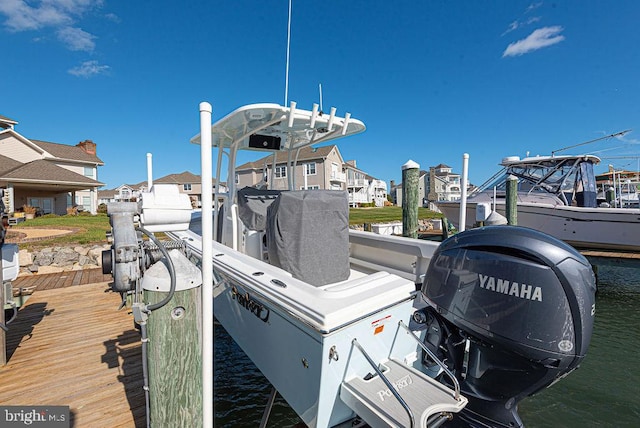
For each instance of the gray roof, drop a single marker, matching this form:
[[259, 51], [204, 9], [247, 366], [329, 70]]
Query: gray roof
[[306, 153], [102, 194], [8, 120], [64, 151], [41, 170], [7, 164], [181, 178]]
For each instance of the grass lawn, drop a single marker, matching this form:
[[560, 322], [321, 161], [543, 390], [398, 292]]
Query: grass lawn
[[91, 229], [385, 214]]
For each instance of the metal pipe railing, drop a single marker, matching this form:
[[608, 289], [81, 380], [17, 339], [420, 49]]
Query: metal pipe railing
[[456, 384], [386, 382]]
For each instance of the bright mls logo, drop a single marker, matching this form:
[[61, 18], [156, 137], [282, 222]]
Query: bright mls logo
[[34, 416]]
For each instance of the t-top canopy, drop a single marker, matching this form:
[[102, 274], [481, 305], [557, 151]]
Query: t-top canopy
[[274, 127]]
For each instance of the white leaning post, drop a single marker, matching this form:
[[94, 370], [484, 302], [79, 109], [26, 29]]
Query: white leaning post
[[207, 265], [463, 195]]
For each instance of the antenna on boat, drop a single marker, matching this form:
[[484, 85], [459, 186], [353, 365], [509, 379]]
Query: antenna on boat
[[320, 90], [617, 134], [286, 74]]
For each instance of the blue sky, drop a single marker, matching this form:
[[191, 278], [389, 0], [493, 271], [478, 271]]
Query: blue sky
[[430, 79]]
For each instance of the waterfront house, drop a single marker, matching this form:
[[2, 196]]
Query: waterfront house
[[440, 183], [316, 168], [187, 183], [49, 176]]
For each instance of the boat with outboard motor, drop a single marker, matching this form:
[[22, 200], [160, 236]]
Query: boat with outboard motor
[[556, 195], [350, 326]]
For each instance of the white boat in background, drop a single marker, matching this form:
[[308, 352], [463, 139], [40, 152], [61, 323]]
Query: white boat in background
[[556, 195], [350, 326]]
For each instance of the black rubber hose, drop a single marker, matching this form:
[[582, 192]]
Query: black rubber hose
[[172, 272]]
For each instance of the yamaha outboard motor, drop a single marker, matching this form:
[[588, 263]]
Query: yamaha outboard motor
[[511, 311]]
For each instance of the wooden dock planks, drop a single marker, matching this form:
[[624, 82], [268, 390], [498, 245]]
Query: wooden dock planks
[[71, 346], [612, 258], [70, 278]]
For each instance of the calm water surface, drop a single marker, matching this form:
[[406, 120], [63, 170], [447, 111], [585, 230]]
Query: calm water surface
[[603, 392]]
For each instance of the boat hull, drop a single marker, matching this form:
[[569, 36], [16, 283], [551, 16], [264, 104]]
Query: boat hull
[[593, 228], [297, 359]]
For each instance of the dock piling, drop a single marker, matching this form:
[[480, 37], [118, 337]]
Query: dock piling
[[175, 345], [410, 196], [512, 201]]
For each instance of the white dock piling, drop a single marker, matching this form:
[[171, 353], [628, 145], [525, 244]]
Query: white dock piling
[[463, 193]]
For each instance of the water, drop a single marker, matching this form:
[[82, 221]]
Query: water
[[603, 392]]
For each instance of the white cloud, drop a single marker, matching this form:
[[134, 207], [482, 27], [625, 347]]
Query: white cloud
[[88, 69], [113, 17], [76, 39], [517, 24], [533, 19], [512, 27], [533, 6], [626, 139], [57, 14], [539, 39], [21, 16]]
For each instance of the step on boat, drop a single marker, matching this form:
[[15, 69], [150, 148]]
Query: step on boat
[[351, 327], [556, 195]]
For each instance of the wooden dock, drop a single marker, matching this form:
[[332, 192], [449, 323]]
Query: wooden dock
[[70, 346], [612, 258]]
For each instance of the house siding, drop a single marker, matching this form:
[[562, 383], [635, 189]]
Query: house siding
[[12, 148]]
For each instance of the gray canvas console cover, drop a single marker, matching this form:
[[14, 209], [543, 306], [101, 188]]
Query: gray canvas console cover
[[253, 204], [308, 235]]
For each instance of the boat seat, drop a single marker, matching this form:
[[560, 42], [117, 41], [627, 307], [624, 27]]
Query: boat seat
[[308, 235]]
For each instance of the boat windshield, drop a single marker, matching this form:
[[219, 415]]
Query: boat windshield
[[554, 176]]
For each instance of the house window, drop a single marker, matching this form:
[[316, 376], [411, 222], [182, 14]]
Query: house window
[[310, 168], [237, 178], [186, 187], [310, 187], [88, 172], [281, 172], [125, 194], [86, 203]]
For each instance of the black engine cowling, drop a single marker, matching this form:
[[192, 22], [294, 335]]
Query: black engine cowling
[[511, 311]]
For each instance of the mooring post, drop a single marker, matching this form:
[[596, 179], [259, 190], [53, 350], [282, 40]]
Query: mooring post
[[512, 200], [410, 196], [175, 345]]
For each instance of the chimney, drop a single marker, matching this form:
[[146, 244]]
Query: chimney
[[393, 184], [87, 146]]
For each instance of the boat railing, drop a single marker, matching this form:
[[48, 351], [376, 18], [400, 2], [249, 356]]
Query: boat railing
[[444, 368], [387, 382]]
